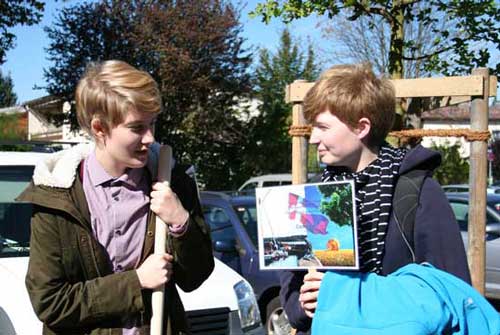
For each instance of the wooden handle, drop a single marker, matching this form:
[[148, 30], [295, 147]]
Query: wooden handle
[[164, 174]]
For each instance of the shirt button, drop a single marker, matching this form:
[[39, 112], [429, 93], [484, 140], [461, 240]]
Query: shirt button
[[150, 233]]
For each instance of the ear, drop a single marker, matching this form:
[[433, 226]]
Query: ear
[[363, 128], [98, 130]]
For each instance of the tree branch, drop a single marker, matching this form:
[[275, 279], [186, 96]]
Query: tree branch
[[437, 52]]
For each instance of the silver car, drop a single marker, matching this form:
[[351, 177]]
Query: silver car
[[460, 204], [464, 188]]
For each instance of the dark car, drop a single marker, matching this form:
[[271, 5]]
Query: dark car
[[233, 223], [460, 204]]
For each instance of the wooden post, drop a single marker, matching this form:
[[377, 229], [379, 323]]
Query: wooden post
[[161, 230], [299, 149], [477, 180], [299, 145]]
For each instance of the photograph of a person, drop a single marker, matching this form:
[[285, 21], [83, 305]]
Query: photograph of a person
[[307, 226]]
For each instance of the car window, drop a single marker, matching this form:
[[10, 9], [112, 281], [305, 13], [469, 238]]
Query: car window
[[13, 180], [271, 183], [494, 204], [14, 229], [14, 217], [461, 211], [456, 189], [219, 222], [248, 217], [286, 182]]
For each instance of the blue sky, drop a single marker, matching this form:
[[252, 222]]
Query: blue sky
[[26, 61]]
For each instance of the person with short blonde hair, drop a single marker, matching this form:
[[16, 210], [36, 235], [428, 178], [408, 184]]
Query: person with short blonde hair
[[108, 91], [92, 268], [351, 111]]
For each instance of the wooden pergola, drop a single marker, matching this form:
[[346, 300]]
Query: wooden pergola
[[477, 88]]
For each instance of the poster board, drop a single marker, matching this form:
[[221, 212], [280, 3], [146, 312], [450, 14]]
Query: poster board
[[307, 226]]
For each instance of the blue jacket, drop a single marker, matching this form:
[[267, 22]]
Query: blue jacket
[[416, 299], [437, 239]]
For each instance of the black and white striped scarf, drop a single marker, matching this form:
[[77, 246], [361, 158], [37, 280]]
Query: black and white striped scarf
[[374, 187]]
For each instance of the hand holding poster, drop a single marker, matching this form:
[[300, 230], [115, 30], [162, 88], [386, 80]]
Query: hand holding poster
[[307, 226]]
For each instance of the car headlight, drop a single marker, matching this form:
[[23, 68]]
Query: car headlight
[[248, 308]]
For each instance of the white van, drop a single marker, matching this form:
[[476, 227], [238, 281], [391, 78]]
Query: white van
[[224, 304], [267, 180]]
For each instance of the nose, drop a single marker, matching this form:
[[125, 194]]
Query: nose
[[314, 138], [149, 136]]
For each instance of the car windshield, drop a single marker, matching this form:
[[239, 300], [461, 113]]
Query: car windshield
[[14, 216], [248, 217]]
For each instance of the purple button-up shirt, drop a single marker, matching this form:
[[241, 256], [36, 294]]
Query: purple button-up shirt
[[118, 211]]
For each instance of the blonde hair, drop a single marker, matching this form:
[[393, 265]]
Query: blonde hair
[[352, 92], [110, 89]]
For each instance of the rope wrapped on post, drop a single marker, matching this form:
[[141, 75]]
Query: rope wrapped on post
[[469, 135], [304, 131]]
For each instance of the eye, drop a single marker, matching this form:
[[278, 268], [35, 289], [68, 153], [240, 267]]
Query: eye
[[320, 127], [137, 128]]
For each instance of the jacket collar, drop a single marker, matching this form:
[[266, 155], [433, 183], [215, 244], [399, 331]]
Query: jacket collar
[[60, 169]]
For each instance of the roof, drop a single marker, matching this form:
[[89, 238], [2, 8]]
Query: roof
[[233, 199], [48, 99], [13, 110], [243, 199], [214, 194], [460, 112], [45, 106]]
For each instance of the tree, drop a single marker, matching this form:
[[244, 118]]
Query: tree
[[13, 127], [337, 203], [269, 130], [194, 51], [15, 12], [367, 39], [453, 169], [7, 95], [476, 24], [203, 77], [84, 33]]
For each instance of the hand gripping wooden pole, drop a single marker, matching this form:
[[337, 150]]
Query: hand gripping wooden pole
[[164, 173]]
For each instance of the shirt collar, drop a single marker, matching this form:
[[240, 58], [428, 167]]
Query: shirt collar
[[98, 176]]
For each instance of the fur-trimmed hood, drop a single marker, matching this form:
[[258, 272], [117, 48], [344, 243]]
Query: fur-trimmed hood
[[59, 169]]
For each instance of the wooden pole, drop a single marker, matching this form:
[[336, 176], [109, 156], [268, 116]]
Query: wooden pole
[[299, 145], [477, 180], [299, 151], [164, 174]]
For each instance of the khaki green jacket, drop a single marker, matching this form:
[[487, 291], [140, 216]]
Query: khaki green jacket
[[70, 281]]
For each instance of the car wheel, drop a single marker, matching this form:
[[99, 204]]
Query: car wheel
[[277, 321]]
